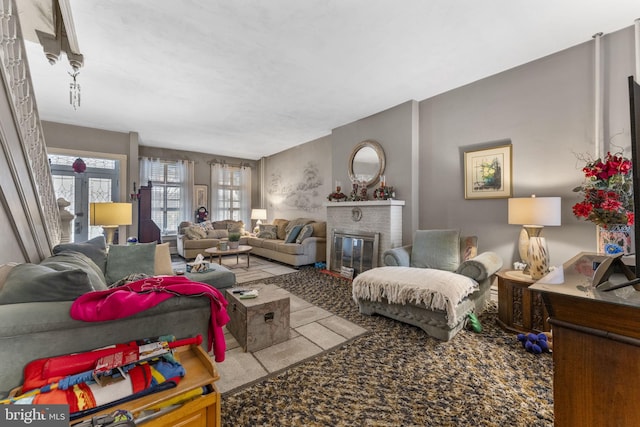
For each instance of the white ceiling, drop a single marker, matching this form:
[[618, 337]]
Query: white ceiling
[[250, 78]]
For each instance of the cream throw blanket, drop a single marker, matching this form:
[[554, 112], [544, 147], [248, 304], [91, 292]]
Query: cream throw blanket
[[435, 289]]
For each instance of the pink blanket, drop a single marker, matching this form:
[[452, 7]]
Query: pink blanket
[[127, 300]]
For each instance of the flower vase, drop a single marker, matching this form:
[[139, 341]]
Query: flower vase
[[538, 257], [614, 239]]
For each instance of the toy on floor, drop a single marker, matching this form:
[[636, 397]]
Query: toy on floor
[[474, 324], [536, 343]]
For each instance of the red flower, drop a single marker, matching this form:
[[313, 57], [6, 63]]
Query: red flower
[[631, 218], [611, 205], [582, 209]]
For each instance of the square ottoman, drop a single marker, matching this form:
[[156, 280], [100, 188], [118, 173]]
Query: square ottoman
[[218, 276]]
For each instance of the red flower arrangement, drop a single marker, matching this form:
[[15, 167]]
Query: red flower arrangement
[[608, 192]]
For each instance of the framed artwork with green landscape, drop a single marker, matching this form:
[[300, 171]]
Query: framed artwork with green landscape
[[487, 173]]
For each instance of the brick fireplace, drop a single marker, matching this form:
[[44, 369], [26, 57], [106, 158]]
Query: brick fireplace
[[356, 226]]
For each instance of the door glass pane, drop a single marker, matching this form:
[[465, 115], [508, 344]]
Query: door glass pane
[[65, 187]]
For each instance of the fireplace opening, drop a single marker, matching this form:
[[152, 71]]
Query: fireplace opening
[[354, 249]]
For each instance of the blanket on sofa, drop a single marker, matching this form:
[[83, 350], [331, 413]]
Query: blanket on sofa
[[435, 289], [129, 299]]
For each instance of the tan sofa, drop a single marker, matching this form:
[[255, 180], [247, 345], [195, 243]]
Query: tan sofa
[[269, 243], [194, 238], [302, 251]]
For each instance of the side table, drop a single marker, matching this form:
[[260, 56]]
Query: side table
[[519, 308]]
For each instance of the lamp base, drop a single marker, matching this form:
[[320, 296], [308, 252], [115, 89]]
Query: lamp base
[[538, 257], [109, 233]]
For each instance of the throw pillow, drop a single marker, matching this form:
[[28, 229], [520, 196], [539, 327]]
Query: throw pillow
[[195, 232], [125, 260], [38, 283], [162, 263], [468, 247], [292, 234], [268, 231], [4, 272], [70, 260], [307, 231], [96, 249], [281, 225], [439, 249]]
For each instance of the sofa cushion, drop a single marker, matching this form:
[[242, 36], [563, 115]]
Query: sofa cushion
[[281, 225], [271, 244], [162, 262], [439, 249], [255, 242], [201, 244], [218, 234], [299, 221], [307, 231], [292, 234], [125, 260], [268, 231], [468, 247], [38, 283], [96, 249], [195, 232], [70, 260], [290, 248], [183, 226]]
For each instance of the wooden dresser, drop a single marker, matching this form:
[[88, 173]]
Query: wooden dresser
[[596, 346]]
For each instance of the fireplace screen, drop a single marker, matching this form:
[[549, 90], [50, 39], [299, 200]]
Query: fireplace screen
[[357, 250]]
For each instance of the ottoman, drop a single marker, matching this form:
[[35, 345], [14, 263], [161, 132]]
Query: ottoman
[[218, 276]]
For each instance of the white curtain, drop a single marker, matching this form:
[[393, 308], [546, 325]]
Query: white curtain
[[245, 197], [150, 170], [185, 171], [216, 204]]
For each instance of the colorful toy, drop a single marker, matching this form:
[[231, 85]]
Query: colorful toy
[[536, 343], [474, 323]]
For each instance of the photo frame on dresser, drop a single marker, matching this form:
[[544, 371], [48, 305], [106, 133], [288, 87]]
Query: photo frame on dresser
[[488, 173]]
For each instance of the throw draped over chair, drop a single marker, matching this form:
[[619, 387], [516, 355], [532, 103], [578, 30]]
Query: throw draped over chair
[[434, 283]]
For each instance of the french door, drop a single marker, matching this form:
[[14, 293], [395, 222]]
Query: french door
[[98, 183]]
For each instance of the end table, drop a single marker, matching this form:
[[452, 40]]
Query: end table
[[519, 308]]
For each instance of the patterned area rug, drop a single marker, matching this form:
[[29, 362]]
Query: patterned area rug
[[398, 376]]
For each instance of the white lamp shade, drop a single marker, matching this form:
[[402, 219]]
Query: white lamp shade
[[110, 214], [535, 211], [258, 214]]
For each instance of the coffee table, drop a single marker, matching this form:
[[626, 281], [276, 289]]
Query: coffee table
[[242, 249]]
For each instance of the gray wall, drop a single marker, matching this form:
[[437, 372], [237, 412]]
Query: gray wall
[[545, 109]]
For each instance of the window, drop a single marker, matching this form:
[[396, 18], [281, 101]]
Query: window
[[231, 190], [169, 192]]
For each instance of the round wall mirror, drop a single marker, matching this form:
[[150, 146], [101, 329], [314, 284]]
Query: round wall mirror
[[367, 162]]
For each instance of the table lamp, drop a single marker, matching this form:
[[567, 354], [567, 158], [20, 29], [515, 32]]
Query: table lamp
[[110, 216], [259, 215], [533, 213]]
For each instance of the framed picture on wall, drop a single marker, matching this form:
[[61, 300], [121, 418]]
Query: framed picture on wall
[[487, 173], [200, 195]]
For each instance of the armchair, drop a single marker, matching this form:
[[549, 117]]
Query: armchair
[[434, 283]]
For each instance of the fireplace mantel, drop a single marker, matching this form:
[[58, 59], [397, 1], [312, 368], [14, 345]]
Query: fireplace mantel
[[372, 216]]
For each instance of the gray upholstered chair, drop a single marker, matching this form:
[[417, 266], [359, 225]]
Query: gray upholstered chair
[[434, 283]]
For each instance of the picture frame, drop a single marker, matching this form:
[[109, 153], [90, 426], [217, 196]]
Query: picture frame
[[488, 173], [200, 196]]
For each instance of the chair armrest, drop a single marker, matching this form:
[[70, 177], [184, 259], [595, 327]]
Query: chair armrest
[[397, 257], [480, 267]]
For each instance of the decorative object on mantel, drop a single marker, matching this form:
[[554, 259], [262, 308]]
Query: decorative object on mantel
[[358, 191], [608, 201], [367, 162], [338, 195], [384, 192]]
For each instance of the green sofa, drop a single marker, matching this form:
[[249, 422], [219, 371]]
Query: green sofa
[[35, 300]]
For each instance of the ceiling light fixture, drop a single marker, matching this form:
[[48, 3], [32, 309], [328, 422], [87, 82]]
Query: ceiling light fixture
[[74, 90]]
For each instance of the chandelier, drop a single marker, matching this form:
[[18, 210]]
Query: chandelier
[[74, 90]]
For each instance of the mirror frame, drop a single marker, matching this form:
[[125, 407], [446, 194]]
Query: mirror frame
[[381, 160]]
